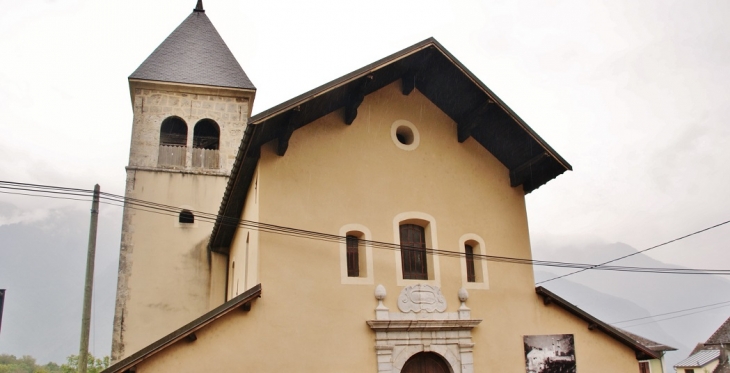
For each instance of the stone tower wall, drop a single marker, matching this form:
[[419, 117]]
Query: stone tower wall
[[167, 277], [152, 106]]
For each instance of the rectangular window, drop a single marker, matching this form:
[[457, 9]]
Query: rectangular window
[[353, 257], [644, 367], [413, 252], [689, 371], [470, 274]]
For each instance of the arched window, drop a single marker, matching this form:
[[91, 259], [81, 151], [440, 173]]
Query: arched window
[[174, 131], [474, 274], [206, 141], [354, 246], [187, 217], [413, 252], [356, 255], [206, 135], [173, 142]]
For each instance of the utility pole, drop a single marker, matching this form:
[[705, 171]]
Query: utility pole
[[86, 317]]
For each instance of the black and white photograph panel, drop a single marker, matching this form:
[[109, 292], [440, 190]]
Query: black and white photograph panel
[[549, 353]]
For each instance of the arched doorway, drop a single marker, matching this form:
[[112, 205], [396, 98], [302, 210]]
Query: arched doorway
[[426, 362]]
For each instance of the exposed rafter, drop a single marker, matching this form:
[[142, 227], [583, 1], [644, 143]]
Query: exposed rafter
[[471, 120], [408, 82], [518, 176], [287, 131], [355, 99]]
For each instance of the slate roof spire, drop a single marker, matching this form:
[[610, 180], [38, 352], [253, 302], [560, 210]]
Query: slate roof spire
[[194, 54]]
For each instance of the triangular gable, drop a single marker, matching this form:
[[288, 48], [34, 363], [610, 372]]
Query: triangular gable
[[194, 54], [440, 77], [642, 352], [188, 331]]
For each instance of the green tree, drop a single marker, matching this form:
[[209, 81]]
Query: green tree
[[25, 364], [93, 365]]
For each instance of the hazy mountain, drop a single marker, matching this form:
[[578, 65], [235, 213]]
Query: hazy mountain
[[598, 292], [42, 266]]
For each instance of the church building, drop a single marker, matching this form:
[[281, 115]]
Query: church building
[[376, 223]]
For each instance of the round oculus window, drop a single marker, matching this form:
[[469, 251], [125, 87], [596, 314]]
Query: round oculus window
[[404, 134]]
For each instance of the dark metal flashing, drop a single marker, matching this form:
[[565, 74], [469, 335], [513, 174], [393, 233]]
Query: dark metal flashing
[[187, 332], [431, 69], [199, 7], [234, 197], [642, 352]]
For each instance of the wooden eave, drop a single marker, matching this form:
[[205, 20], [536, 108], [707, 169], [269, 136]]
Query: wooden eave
[[642, 352], [438, 75], [243, 300]]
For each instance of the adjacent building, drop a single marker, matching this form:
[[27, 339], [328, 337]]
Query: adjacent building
[[711, 356]]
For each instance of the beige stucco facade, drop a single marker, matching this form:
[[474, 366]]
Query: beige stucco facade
[[167, 277], [339, 179]]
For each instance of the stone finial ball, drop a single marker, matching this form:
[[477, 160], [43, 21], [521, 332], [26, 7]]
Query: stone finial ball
[[463, 295], [380, 292]]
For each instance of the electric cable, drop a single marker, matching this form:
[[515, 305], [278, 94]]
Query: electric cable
[[676, 317], [669, 313], [270, 228], [638, 252]]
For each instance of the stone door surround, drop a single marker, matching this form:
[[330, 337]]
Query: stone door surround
[[422, 326]]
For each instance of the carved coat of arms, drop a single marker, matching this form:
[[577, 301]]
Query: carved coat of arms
[[421, 297]]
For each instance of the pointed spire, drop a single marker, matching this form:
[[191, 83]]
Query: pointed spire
[[199, 7]]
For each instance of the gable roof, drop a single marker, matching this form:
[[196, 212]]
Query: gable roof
[[426, 66], [187, 331], [194, 54], [699, 359], [721, 335], [642, 351]]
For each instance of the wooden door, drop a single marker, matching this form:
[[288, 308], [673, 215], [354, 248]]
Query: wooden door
[[426, 362]]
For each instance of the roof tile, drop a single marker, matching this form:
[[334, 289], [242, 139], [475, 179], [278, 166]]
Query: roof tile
[[194, 54], [721, 335], [699, 359]]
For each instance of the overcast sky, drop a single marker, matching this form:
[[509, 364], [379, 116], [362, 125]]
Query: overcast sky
[[632, 93]]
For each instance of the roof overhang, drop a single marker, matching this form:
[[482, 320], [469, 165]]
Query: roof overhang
[[426, 66], [242, 301], [642, 352]]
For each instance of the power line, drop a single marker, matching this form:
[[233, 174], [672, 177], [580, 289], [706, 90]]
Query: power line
[[597, 266], [676, 317], [137, 204], [670, 313]]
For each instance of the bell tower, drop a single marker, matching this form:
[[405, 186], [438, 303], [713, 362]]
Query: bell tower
[[191, 101]]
